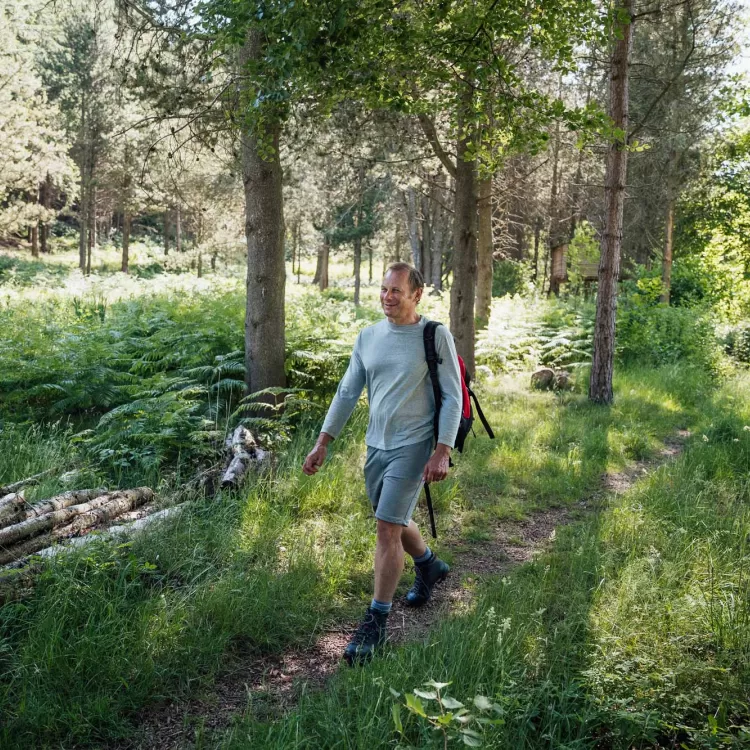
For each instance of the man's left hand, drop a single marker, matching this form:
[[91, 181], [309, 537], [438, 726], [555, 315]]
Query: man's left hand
[[438, 465]]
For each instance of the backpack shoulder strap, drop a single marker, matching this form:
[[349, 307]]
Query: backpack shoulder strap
[[430, 353], [480, 413]]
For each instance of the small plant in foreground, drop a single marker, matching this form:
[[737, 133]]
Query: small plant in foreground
[[453, 719]]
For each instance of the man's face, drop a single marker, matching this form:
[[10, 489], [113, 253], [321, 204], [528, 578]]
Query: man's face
[[398, 301]]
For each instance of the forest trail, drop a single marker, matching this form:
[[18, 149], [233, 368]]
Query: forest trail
[[271, 685]]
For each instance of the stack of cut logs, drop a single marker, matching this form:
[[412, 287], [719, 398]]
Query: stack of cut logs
[[26, 528]]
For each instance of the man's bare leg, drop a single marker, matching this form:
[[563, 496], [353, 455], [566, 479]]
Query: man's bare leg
[[389, 560], [412, 541]]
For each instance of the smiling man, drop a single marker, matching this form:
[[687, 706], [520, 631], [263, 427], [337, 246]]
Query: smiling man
[[389, 358]]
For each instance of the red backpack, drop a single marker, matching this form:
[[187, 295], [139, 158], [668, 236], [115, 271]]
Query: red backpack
[[467, 416]]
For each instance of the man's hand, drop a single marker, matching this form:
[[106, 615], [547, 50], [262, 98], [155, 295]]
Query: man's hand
[[317, 455], [438, 465]]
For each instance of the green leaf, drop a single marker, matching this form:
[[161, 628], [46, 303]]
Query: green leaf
[[429, 695], [482, 703], [445, 719], [437, 685], [449, 702], [415, 705], [394, 693], [396, 712], [471, 741]]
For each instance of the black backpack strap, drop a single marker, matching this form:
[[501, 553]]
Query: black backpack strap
[[430, 353], [482, 418], [430, 510]]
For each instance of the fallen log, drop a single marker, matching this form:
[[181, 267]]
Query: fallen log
[[39, 524], [65, 500], [245, 453], [18, 577], [15, 486], [10, 507]]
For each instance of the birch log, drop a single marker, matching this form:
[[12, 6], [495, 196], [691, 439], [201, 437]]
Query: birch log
[[39, 524], [65, 500], [245, 452], [10, 507]]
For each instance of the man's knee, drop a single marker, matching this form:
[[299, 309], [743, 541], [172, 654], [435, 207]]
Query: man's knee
[[389, 533]]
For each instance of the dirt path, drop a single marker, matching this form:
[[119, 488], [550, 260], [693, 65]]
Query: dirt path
[[272, 684]]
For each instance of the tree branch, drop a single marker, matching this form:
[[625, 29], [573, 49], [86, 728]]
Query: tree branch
[[428, 126]]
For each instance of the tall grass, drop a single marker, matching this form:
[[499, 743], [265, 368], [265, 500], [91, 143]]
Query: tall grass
[[253, 573], [632, 632]]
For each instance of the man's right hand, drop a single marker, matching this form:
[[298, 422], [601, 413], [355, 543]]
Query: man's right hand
[[315, 459]]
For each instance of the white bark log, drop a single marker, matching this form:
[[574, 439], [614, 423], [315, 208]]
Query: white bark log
[[39, 524]]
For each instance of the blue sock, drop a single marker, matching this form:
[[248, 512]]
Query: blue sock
[[424, 558], [383, 607]]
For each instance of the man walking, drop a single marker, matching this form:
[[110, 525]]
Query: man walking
[[389, 358]]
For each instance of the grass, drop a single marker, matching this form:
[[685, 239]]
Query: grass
[[249, 574], [632, 632]]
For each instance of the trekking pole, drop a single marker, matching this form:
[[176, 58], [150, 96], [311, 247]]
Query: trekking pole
[[430, 510]]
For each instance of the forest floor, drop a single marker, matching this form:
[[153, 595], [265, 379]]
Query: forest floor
[[270, 686]]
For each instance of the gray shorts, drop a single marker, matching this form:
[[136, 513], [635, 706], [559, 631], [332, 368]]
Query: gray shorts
[[393, 480]]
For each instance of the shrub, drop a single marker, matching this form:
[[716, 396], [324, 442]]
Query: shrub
[[659, 335], [508, 277]]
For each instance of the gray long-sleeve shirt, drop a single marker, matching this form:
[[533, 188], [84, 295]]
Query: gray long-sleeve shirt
[[390, 360]]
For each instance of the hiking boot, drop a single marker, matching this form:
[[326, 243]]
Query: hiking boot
[[426, 576], [370, 635]]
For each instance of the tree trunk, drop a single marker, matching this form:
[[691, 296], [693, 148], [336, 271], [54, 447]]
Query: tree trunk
[[200, 265], [369, 256], [319, 264], [396, 247], [537, 233], [45, 200], [410, 205], [83, 223], [357, 267], [602, 366], [438, 235], [484, 254], [427, 225], [464, 237], [89, 253], [323, 278], [358, 236], [35, 240], [178, 229], [126, 242], [166, 232], [299, 253], [553, 235], [264, 229], [666, 266], [93, 241]]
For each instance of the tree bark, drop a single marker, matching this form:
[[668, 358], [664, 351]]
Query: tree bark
[[427, 225], [438, 235], [553, 234], [537, 234], [484, 254], [464, 236], [126, 242], [410, 205], [325, 252], [666, 266], [602, 366], [13, 512], [93, 241], [38, 524], [358, 237], [45, 200], [166, 232], [319, 265], [264, 229], [35, 240], [83, 223], [178, 229]]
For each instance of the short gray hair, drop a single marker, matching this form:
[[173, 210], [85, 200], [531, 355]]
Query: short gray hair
[[416, 280]]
